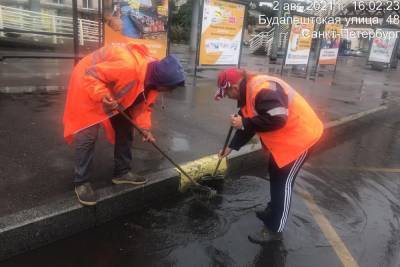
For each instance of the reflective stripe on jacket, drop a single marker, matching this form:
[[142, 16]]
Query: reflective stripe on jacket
[[302, 129], [116, 70]]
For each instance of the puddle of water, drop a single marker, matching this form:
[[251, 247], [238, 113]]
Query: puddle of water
[[179, 144]]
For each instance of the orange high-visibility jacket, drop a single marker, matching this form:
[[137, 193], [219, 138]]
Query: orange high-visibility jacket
[[116, 70], [302, 129]]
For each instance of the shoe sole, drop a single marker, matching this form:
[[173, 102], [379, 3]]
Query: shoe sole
[[257, 241], [252, 240], [86, 203], [127, 182]]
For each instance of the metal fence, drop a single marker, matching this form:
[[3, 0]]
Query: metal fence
[[262, 41], [44, 27]]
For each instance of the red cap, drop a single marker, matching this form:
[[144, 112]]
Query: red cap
[[225, 79]]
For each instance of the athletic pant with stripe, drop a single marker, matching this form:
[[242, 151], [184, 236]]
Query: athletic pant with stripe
[[281, 189]]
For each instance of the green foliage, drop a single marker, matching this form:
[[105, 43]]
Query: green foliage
[[181, 22], [179, 34]]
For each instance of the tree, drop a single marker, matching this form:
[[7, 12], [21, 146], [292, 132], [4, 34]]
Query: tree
[[180, 23]]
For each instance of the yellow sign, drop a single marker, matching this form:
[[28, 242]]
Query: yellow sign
[[221, 35], [138, 22], [330, 44], [300, 41]]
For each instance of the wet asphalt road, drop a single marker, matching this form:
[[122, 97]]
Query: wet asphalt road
[[355, 184], [37, 165]]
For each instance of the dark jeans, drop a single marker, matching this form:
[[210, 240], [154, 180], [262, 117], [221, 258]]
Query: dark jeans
[[281, 187], [85, 141]]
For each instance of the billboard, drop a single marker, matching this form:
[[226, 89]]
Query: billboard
[[330, 44], [221, 33], [300, 40], [383, 45], [138, 21]]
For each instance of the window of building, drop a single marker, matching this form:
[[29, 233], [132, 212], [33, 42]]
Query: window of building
[[60, 2], [87, 3]]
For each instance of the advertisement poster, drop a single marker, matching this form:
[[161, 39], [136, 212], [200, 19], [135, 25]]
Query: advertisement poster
[[300, 40], [140, 21], [221, 35], [383, 45], [330, 44]]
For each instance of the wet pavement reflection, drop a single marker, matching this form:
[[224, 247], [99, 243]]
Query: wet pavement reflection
[[355, 183], [187, 233]]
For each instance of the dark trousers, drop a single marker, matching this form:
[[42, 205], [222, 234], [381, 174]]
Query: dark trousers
[[281, 189], [85, 141]]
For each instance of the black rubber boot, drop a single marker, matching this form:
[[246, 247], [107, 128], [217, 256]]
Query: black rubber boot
[[265, 236], [264, 214]]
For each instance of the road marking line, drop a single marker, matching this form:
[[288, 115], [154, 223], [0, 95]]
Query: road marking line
[[371, 169], [391, 170], [336, 242]]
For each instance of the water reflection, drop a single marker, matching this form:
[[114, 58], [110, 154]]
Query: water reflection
[[272, 254]]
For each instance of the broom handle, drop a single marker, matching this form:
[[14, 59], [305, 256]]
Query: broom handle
[[156, 146], [223, 150]]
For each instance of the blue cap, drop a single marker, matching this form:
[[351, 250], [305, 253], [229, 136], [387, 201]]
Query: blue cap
[[167, 72]]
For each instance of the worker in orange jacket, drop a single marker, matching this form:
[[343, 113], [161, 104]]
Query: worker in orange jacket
[[287, 127], [116, 76]]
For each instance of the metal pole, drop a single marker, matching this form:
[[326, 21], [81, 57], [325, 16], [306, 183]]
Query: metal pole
[[195, 24], [309, 54], [393, 59], [100, 21], [318, 56], [337, 58], [274, 49], [169, 26], [284, 61], [319, 52], [286, 50], [245, 23], [76, 29], [199, 29], [334, 70]]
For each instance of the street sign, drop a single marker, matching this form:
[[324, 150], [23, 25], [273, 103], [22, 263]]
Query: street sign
[[383, 45], [300, 40], [330, 44], [221, 32]]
